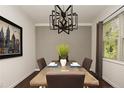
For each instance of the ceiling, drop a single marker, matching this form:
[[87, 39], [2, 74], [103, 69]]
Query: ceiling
[[40, 13]]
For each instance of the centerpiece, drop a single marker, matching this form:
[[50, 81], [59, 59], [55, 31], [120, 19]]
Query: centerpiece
[[63, 50]]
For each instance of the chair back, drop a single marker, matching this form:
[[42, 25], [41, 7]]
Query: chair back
[[87, 63], [65, 80], [41, 63]]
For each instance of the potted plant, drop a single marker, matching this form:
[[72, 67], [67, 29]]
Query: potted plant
[[63, 50]]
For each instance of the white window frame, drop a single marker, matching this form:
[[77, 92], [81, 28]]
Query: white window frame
[[121, 38]]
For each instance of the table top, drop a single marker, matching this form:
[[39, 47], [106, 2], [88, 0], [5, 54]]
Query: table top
[[40, 78]]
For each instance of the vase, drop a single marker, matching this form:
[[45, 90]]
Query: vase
[[63, 62], [64, 58]]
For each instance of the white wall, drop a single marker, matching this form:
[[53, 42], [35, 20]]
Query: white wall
[[79, 42], [13, 70], [112, 72], [93, 46]]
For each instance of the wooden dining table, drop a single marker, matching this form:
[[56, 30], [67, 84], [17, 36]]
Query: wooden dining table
[[40, 78]]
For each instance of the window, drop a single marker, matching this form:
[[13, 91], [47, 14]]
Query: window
[[113, 38]]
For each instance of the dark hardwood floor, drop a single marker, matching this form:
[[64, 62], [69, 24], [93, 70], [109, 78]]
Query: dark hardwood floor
[[102, 83], [26, 83]]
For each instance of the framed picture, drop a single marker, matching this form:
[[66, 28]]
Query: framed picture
[[10, 39]]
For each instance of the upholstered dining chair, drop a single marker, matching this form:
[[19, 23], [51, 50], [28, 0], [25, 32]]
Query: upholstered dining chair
[[87, 63], [65, 80], [41, 63]]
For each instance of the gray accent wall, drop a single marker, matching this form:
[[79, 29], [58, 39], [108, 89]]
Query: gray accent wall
[[79, 42]]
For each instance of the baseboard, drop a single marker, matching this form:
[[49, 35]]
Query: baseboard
[[110, 82], [16, 83], [37, 69]]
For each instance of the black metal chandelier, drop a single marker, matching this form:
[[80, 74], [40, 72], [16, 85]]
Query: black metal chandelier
[[63, 20]]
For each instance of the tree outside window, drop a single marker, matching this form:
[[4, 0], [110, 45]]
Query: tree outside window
[[110, 36]]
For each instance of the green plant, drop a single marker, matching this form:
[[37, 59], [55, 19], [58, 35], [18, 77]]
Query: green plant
[[63, 50]]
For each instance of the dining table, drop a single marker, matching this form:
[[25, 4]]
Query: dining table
[[40, 78]]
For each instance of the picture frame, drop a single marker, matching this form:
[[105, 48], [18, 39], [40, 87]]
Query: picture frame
[[10, 39]]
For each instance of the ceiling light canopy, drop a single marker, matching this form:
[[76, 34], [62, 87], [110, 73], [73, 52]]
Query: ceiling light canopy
[[63, 20]]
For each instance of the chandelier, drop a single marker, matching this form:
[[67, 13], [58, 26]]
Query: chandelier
[[63, 20]]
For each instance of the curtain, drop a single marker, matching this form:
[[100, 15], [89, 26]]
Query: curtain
[[99, 50]]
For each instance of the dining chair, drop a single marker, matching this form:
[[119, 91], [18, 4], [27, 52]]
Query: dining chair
[[87, 63], [41, 63], [65, 80]]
